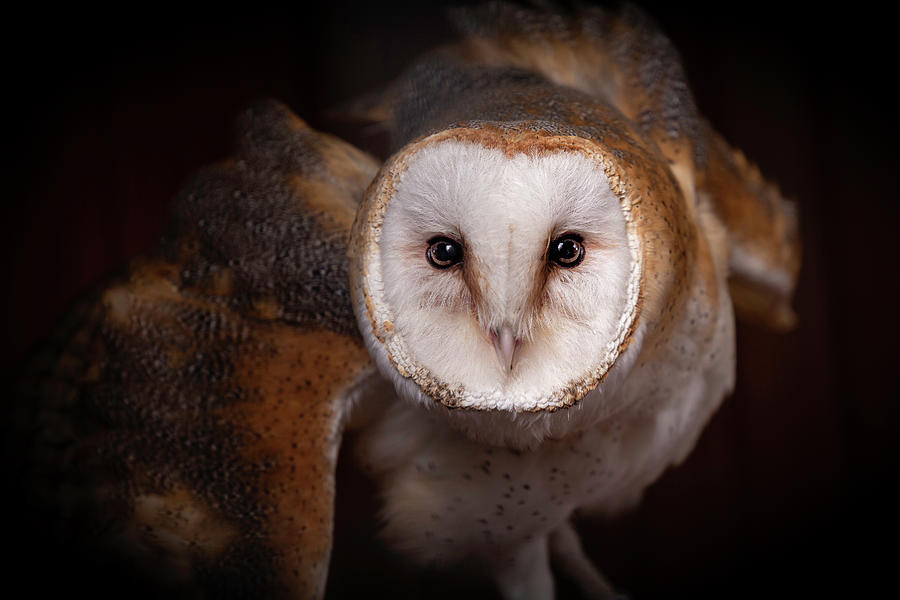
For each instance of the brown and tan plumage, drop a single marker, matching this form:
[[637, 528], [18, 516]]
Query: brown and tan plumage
[[196, 409]]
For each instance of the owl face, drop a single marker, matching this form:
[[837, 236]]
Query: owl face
[[496, 279]]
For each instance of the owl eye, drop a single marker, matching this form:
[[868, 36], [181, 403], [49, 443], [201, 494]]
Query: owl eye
[[566, 251], [443, 252]]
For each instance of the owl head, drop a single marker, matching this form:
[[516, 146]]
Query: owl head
[[500, 273]]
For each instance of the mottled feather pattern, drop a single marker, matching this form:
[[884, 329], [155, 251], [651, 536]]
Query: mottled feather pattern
[[623, 58], [271, 249], [165, 421]]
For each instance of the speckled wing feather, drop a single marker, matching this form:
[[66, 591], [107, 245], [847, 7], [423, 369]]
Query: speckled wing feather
[[626, 62], [192, 413], [763, 234]]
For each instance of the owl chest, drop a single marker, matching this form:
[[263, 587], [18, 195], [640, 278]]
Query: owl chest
[[455, 498], [447, 496]]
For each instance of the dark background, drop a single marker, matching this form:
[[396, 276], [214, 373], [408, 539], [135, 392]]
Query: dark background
[[788, 492]]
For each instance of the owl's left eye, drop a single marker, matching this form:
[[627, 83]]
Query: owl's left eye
[[443, 252], [566, 251]]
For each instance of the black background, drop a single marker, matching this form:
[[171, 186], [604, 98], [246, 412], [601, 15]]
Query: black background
[[787, 494]]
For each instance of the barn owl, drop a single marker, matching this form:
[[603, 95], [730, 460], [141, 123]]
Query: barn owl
[[527, 310]]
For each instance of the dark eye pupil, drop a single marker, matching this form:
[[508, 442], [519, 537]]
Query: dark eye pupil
[[443, 253], [566, 251]]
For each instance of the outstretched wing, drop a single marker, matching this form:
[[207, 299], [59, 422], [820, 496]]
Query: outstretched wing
[[624, 60], [763, 234], [192, 412], [627, 61]]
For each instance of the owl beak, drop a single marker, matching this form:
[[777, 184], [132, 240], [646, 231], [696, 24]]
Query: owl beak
[[506, 345]]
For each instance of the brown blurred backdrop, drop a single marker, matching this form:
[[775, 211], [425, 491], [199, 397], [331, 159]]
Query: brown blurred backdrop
[[789, 491]]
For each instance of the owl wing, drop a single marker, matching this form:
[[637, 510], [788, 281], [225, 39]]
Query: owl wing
[[624, 60], [764, 241], [192, 410]]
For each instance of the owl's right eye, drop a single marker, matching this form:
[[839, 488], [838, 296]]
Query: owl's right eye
[[443, 252]]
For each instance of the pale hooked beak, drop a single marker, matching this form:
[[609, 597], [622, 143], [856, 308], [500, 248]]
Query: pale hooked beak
[[506, 345]]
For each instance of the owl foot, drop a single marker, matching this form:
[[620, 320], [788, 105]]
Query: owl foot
[[525, 574], [568, 554]]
